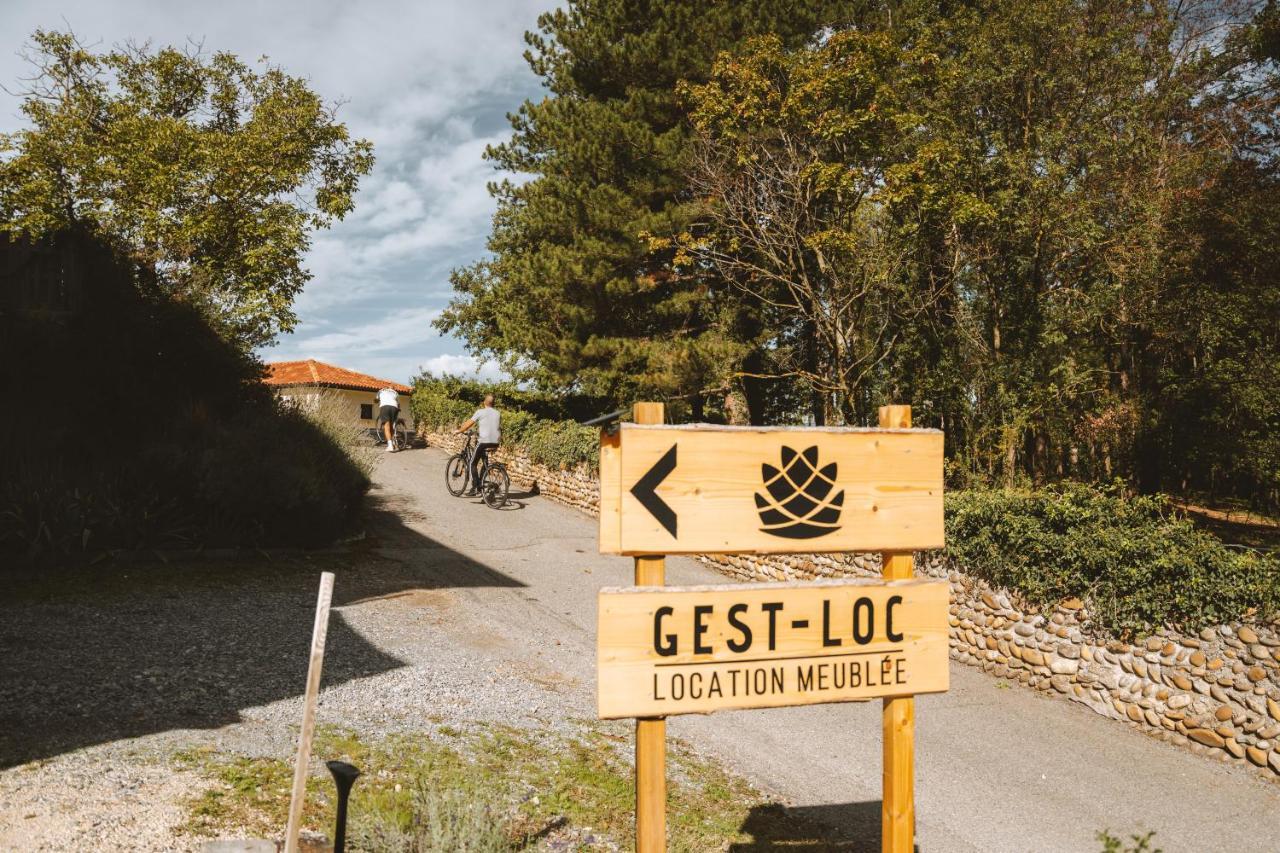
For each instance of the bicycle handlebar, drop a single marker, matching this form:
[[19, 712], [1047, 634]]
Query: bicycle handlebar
[[605, 420]]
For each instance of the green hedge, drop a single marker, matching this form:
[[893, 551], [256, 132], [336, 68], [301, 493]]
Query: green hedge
[[444, 404], [173, 441], [1136, 563], [544, 405], [265, 476]]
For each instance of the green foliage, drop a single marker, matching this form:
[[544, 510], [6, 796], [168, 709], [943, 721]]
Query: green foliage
[[497, 788], [446, 403], [794, 162], [273, 476], [1114, 844], [202, 169], [1135, 563], [438, 821], [572, 297], [997, 203], [153, 432], [263, 477], [1050, 227]]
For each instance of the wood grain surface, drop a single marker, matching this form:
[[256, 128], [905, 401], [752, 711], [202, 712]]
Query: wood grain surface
[[680, 650], [783, 490]]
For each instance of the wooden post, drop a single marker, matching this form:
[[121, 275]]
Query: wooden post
[[318, 633], [651, 733], [898, 722]]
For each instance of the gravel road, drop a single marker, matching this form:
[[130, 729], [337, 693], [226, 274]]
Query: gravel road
[[451, 612]]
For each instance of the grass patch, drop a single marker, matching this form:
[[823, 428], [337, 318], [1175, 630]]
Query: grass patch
[[496, 788]]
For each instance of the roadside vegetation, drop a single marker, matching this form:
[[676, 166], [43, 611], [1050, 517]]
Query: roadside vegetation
[[138, 281], [157, 433], [1052, 228], [495, 788], [1137, 562], [546, 427]]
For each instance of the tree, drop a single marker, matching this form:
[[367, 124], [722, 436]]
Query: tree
[[1048, 225], [573, 298], [791, 165], [200, 168]]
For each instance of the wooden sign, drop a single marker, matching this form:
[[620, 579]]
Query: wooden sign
[[713, 489], [682, 650]]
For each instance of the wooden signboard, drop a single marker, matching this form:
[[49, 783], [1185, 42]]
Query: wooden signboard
[[712, 489], [681, 650]]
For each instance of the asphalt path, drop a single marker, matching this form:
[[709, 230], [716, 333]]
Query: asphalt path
[[998, 767]]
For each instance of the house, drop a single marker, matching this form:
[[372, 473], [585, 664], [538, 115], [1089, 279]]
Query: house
[[305, 382]]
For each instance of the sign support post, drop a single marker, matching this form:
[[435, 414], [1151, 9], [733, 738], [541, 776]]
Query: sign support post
[[651, 733], [708, 489], [898, 722]]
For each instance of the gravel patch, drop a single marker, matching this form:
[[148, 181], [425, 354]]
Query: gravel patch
[[108, 672], [90, 801]]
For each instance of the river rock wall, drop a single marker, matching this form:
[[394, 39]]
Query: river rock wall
[[1216, 692], [577, 487]]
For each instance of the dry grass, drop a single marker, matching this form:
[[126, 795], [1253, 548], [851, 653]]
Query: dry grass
[[503, 789]]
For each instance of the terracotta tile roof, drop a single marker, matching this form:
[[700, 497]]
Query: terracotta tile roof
[[312, 372]]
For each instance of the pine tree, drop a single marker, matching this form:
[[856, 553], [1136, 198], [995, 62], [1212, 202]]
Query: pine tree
[[575, 295]]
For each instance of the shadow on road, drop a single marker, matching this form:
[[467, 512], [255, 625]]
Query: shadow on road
[[846, 827], [124, 649]]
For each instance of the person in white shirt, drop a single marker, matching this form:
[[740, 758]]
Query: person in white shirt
[[388, 414], [487, 419]]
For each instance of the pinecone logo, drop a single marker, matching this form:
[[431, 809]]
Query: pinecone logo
[[798, 502]]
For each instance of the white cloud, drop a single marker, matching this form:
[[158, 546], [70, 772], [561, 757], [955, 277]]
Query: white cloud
[[395, 331], [462, 365]]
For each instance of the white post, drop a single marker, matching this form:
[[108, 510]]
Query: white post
[[308, 714]]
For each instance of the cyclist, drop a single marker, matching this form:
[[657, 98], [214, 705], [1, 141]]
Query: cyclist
[[388, 413], [487, 418]]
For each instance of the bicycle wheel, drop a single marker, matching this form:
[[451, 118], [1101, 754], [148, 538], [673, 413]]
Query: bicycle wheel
[[456, 474], [496, 485], [402, 436]]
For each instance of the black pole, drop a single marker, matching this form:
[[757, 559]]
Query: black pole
[[344, 776]]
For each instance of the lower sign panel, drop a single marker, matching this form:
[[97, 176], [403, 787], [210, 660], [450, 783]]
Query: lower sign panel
[[693, 650]]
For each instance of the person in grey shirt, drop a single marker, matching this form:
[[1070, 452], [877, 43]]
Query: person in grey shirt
[[487, 418]]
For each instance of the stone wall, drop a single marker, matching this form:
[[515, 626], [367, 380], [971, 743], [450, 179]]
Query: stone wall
[[576, 487], [1217, 693]]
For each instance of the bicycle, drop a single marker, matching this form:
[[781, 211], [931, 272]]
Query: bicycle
[[399, 435], [457, 471], [495, 482]]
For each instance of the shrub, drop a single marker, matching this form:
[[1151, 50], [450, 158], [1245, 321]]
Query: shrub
[[1135, 562], [280, 479], [263, 477], [43, 511], [467, 394], [438, 821], [331, 414], [174, 440]]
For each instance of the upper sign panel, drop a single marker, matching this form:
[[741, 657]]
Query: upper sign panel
[[708, 489]]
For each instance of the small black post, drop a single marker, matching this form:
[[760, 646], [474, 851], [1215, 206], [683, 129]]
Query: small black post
[[344, 776]]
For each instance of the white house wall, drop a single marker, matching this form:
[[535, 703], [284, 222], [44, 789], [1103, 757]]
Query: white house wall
[[307, 397]]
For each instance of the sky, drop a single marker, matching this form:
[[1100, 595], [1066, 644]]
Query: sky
[[428, 81]]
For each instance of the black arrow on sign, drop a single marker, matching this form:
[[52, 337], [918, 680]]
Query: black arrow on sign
[[644, 491]]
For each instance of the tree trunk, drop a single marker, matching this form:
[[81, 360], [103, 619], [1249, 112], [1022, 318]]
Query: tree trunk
[[753, 389]]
